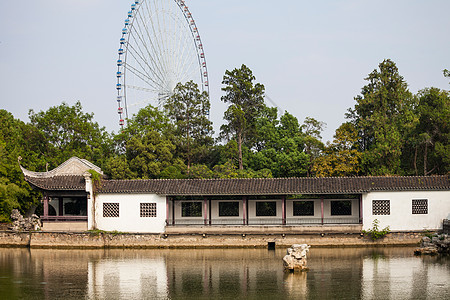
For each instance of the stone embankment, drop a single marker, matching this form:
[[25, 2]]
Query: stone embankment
[[436, 244], [42, 239]]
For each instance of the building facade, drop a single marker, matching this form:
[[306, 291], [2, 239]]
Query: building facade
[[72, 200]]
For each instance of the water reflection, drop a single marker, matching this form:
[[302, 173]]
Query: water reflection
[[387, 273]]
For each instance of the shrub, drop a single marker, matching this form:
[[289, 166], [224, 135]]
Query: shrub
[[375, 233]]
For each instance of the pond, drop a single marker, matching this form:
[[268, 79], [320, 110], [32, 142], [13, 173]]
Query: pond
[[335, 273]]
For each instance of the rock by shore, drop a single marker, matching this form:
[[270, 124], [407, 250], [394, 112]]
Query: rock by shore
[[436, 244]]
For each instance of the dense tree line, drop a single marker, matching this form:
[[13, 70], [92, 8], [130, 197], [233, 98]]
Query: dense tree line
[[390, 131]]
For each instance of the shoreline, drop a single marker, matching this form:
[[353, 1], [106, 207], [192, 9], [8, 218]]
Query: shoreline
[[118, 240]]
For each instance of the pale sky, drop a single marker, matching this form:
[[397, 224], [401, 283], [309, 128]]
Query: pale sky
[[312, 56]]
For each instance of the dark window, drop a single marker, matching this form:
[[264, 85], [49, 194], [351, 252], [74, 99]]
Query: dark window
[[191, 209], [303, 208], [381, 207], [110, 210], [75, 206], [148, 210], [420, 207], [341, 208], [228, 209], [266, 209]]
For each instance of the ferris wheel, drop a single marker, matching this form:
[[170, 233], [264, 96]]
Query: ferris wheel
[[160, 47]]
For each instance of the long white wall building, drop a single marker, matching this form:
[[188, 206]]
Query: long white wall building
[[71, 197]]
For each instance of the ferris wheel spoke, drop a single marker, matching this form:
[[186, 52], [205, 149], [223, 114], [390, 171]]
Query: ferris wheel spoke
[[158, 34], [160, 47], [150, 36], [184, 60], [142, 57], [151, 53], [144, 77], [143, 64]]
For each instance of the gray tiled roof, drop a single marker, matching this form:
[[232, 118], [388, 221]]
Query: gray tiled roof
[[248, 186], [58, 183], [274, 186]]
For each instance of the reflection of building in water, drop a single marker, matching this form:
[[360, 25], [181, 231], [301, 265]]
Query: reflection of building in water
[[402, 278], [240, 273], [127, 279]]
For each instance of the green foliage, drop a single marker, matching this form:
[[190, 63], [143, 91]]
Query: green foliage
[[187, 109], [375, 232], [14, 191], [383, 117], [246, 101], [340, 158], [68, 131], [429, 140]]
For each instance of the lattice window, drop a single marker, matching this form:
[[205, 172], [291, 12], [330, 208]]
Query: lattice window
[[341, 208], [303, 208], [228, 209], [191, 209], [110, 210], [148, 210], [420, 206], [381, 207], [266, 209]]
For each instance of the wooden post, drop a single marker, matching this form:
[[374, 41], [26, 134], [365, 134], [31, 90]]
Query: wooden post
[[283, 210], [360, 209], [45, 206], [173, 211], [321, 208], [205, 210], [167, 210], [244, 210], [210, 215]]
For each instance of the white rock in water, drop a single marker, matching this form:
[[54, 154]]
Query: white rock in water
[[295, 258]]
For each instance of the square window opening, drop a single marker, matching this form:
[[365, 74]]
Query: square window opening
[[381, 207], [266, 209], [229, 209], [303, 208], [191, 209], [341, 208], [110, 210], [148, 210]]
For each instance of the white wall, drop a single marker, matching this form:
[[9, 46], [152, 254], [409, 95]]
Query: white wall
[[129, 219], [401, 217]]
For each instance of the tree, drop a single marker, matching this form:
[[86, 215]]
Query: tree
[[188, 110], [246, 101], [150, 154], [430, 138], [280, 146], [14, 142], [340, 158], [383, 115], [312, 130], [71, 132]]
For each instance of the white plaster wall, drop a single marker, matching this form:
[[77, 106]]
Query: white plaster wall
[[401, 217], [129, 219]]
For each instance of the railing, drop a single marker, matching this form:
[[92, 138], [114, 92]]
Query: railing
[[263, 221], [64, 218]]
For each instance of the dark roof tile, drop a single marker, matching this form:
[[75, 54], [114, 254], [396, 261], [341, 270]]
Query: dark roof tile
[[272, 186], [58, 183]]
